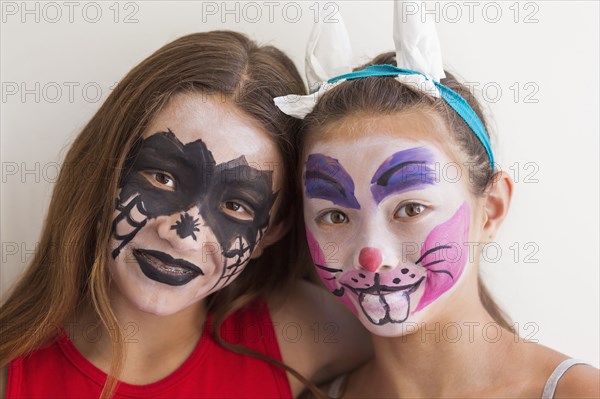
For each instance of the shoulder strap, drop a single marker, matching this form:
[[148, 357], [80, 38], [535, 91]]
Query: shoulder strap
[[336, 389], [558, 372]]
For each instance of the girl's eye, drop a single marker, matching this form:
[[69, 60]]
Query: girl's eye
[[410, 210], [333, 217], [160, 179], [237, 210], [165, 179]]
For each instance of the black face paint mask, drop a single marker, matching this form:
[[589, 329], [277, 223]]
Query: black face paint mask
[[199, 182]]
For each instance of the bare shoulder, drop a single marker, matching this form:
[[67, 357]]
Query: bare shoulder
[[317, 335], [320, 320], [308, 302], [3, 381], [579, 381]]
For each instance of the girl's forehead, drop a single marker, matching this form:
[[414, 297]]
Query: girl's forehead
[[374, 147], [212, 119], [227, 131], [369, 135]]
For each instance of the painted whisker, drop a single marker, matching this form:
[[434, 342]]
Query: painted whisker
[[434, 262], [429, 251], [442, 271], [328, 269]]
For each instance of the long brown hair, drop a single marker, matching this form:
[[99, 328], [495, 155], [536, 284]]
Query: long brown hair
[[69, 269], [384, 95]]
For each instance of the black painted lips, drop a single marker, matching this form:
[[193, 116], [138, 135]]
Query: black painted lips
[[165, 269]]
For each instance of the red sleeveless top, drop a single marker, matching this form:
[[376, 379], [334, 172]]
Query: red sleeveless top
[[211, 371]]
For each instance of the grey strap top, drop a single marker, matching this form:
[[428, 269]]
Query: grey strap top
[[336, 389], [558, 372]]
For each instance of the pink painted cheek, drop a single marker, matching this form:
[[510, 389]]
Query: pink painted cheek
[[329, 278], [444, 266], [315, 249]]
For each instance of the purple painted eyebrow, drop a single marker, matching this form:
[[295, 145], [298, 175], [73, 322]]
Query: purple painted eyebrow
[[325, 178], [403, 171]]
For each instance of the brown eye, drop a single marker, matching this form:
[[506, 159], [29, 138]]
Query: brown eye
[[164, 179], [410, 210], [237, 210], [232, 205], [333, 217], [160, 179]]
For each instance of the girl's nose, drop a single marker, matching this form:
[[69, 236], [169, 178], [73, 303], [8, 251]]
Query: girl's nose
[[184, 231], [370, 258]]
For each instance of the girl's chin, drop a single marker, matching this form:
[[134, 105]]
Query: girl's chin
[[165, 309], [390, 330], [388, 316], [162, 302]]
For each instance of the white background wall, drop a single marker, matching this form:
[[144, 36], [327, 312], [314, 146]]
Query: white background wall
[[535, 64]]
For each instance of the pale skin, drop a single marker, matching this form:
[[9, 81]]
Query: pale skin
[[163, 322], [416, 361]]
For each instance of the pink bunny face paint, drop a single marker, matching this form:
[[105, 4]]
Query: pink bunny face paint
[[387, 233]]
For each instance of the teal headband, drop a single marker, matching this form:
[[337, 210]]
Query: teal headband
[[452, 98]]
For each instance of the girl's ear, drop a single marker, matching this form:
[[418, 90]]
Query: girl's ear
[[496, 205], [274, 234]]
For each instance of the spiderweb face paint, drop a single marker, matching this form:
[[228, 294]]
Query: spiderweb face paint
[[184, 220], [382, 264]]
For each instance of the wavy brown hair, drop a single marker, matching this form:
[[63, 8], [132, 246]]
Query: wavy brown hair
[[385, 96], [69, 269]]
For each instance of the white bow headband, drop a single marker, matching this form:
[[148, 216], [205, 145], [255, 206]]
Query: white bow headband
[[329, 54], [418, 60]]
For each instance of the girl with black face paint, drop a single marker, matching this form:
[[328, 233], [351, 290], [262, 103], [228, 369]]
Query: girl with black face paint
[[169, 268]]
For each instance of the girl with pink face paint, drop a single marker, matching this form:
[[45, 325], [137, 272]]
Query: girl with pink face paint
[[400, 193], [399, 197]]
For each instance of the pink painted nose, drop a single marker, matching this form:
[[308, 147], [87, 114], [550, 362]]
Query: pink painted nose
[[370, 258]]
